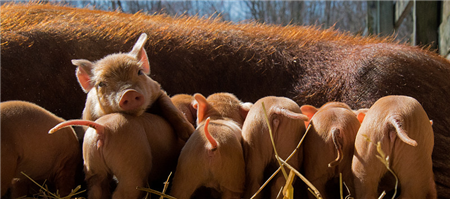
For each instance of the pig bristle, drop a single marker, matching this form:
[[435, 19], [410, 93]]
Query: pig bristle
[[183, 28]]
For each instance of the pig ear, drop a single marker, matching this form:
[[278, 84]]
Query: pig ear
[[361, 116], [139, 53], [245, 108], [308, 110], [84, 73], [202, 106]]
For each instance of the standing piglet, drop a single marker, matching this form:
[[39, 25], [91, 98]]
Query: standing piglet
[[404, 131], [134, 149], [288, 127], [328, 148], [27, 147], [120, 83], [213, 156]]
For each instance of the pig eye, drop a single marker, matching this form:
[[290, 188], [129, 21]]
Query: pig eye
[[101, 84], [140, 72]]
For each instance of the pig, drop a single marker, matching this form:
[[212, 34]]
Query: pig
[[328, 147], [26, 147], [287, 124], [191, 54], [213, 155], [134, 149], [403, 129], [184, 103], [119, 83]]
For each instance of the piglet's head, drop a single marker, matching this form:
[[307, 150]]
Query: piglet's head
[[118, 83]]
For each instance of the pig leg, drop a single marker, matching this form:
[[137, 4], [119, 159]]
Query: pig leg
[[176, 119], [20, 187], [65, 178], [367, 171], [99, 186], [255, 171], [277, 182], [8, 168], [319, 183], [416, 183], [186, 181], [126, 188]]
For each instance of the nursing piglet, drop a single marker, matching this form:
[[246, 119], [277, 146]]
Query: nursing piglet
[[120, 83], [213, 156], [134, 149], [184, 103], [402, 127], [328, 147], [27, 147], [287, 124]]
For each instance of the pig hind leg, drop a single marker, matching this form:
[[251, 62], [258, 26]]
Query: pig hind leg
[[126, 188], [367, 174], [255, 175], [416, 183], [65, 179], [8, 169], [186, 182], [99, 186]]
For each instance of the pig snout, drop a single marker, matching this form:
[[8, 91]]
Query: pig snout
[[131, 100]]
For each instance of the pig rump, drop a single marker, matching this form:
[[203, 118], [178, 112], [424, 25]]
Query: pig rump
[[316, 66]]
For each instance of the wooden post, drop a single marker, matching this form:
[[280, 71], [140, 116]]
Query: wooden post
[[380, 17], [427, 23]]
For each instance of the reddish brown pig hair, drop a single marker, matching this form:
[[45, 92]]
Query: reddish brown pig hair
[[190, 55]]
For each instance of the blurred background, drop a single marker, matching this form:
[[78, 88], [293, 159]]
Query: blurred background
[[425, 23]]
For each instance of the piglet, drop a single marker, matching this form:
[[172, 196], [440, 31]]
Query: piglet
[[328, 147], [213, 156], [134, 149], [120, 83], [184, 103], [26, 147], [402, 127], [287, 124]]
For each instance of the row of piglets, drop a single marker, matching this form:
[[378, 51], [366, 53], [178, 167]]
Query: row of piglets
[[230, 150], [329, 148]]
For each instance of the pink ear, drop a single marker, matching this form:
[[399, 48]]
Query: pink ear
[[201, 107], [309, 111], [144, 61], [361, 116], [139, 53], [83, 73]]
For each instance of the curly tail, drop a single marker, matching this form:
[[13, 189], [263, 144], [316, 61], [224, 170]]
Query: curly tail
[[100, 129], [336, 134], [401, 133], [211, 140], [289, 114]]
